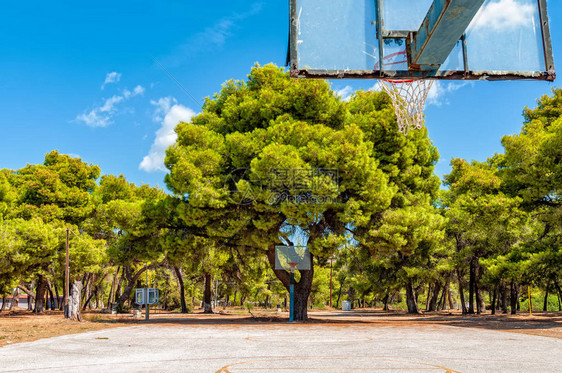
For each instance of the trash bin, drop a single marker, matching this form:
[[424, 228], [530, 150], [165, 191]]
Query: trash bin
[[346, 305]]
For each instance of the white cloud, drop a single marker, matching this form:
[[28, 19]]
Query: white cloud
[[169, 113], [503, 15], [101, 116], [437, 95], [212, 37], [112, 77], [345, 93], [138, 90]]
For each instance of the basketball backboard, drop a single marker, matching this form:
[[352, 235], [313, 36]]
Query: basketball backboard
[[292, 257], [435, 39]]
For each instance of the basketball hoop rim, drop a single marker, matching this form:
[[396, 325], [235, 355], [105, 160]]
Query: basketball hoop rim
[[397, 81]]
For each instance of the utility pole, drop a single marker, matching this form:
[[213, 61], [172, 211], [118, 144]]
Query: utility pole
[[67, 274]]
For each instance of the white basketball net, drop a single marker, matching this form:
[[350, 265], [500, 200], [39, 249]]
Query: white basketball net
[[408, 98]]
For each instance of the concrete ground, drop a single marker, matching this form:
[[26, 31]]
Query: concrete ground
[[234, 345]]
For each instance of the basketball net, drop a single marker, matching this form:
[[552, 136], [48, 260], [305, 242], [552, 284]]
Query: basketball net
[[408, 98], [293, 267]]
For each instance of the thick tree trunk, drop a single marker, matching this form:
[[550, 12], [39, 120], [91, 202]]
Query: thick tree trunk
[[504, 298], [40, 295], [434, 297], [513, 298], [545, 305], [302, 288], [207, 308], [127, 291], [179, 276], [461, 292], [74, 301], [3, 303], [411, 298]]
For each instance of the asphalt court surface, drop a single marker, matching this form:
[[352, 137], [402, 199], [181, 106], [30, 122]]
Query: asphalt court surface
[[283, 347]]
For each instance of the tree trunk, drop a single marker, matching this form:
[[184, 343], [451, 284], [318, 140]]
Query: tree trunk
[[15, 299], [461, 292], [179, 276], [86, 279], [504, 299], [127, 291], [111, 296], [545, 305], [433, 300], [93, 293], [559, 295], [411, 298], [351, 296], [442, 304], [40, 295], [30, 295], [339, 294], [471, 285], [207, 308], [119, 283], [513, 298], [480, 305], [428, 298], [54, 303], [74, 301], [494, 297], [3, 303], [302, 288], [385, 302], [54, 289]]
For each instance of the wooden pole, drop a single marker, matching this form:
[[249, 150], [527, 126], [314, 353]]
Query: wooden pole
[[67, 274]]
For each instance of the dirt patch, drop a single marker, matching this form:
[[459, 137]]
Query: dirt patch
[[23, 326]]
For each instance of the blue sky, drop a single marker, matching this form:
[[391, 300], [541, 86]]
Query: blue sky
[[87, 79]]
